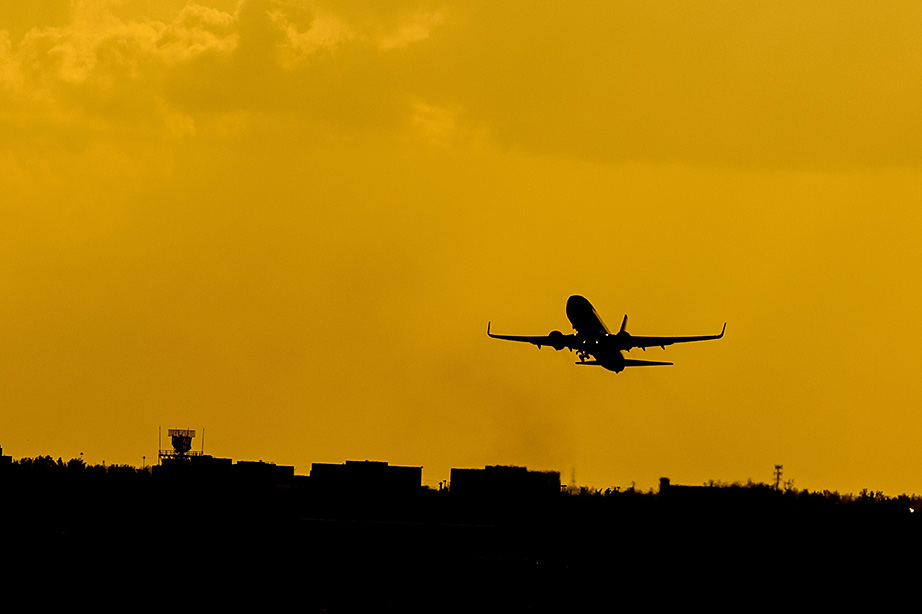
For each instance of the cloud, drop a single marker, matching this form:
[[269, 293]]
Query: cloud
[[198, 30], [101, 72], [819, 86], [17, 18]]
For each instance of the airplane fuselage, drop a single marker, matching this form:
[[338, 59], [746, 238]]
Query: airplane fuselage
[[593, 338], [606, 352], [584, 318]]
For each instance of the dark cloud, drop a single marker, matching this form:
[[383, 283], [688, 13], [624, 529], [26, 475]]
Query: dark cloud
[[822, 85], [818, 86]]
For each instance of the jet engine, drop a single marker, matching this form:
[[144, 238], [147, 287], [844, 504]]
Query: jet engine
[[556, 340]]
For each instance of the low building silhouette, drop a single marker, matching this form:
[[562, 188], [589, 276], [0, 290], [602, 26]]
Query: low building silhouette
[[504, 481], [264, 472], [203, 465], [370, 477]]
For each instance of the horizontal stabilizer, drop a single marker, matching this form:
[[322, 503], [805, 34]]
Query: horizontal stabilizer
[[629, 362]]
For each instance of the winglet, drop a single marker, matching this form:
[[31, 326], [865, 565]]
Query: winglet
[[488, 329], [624, 324], [722, 331]]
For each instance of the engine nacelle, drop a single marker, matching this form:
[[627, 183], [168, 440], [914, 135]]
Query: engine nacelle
[[556, 340]]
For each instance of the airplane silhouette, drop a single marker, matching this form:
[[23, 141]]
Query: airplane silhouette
[[593, 339]]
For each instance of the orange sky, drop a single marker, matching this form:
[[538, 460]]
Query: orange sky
[[288, 223]]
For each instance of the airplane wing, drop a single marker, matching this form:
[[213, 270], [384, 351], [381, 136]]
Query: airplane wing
[[556, 339], [647, 342], [628, 362]]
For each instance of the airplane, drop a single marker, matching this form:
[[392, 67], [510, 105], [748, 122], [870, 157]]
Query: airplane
[[593, 339]]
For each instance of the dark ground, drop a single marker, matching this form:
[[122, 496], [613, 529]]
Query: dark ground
[[125, 537]]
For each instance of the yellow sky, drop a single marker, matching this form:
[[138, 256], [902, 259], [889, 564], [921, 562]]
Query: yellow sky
[[288, 222]]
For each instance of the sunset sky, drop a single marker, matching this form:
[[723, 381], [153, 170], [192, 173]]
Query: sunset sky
[[288, 222]]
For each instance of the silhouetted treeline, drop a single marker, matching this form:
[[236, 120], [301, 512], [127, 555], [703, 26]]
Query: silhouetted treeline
[[260, 529]]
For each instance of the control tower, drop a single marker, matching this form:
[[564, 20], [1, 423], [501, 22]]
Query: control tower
[[182, 446]]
